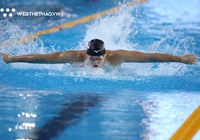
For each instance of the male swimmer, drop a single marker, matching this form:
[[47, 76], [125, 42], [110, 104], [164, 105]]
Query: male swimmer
[[96, 55]]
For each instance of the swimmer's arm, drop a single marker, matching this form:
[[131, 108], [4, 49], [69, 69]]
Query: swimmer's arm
[[51, 58], [135, 56]]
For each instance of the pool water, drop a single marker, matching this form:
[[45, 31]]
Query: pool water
[[132, 101]]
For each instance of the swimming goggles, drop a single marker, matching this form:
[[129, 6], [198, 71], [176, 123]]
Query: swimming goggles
[[93, 58]]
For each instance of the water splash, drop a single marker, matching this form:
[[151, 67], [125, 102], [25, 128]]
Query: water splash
[[114, 30], [121, 30], [10, 33], [117, 32]]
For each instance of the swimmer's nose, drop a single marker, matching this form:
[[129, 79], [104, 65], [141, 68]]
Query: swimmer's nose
[[95, 64]]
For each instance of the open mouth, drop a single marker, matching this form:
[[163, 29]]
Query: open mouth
[[95, 65]]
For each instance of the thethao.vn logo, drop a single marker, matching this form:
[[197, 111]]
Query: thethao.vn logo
[[7, 12], [31, 12]]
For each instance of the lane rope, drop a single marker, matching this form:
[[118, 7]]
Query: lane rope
[[71, 24], [189, 128]]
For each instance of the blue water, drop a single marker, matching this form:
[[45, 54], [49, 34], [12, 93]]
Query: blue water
[[132, 101]]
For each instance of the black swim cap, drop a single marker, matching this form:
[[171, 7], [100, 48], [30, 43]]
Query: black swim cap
[[96, 48]]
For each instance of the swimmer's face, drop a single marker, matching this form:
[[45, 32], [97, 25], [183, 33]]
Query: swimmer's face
[[96, 61]]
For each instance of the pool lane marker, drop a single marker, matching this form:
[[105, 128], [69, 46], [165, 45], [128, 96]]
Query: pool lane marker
[[70, 114], [71, 24], [189, 128]]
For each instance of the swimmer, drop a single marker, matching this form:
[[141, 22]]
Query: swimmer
[[96, 55]]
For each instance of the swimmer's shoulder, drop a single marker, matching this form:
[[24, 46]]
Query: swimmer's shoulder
[[114, 57], [76, 55], [114, 53], [81, 54]]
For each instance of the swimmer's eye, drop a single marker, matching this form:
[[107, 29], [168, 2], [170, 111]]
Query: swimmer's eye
[[93, 58]]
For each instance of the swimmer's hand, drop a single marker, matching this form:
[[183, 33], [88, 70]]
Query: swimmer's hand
[[7, 58], [189, 59]]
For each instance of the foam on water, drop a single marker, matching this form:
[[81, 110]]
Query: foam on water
[[175, 112]]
